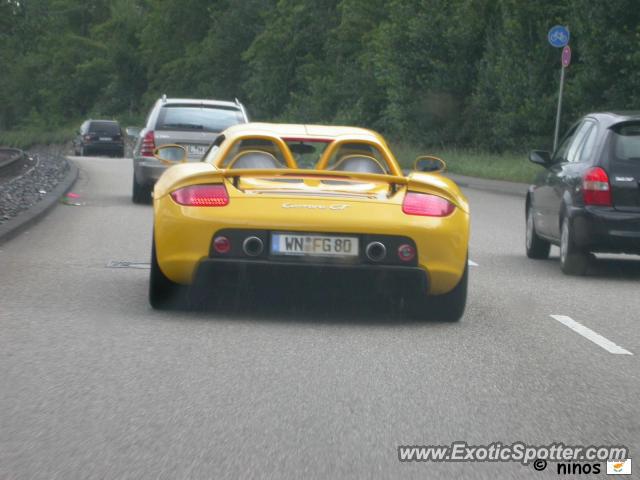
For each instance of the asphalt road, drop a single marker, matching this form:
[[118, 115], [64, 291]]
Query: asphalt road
[[95, 384]]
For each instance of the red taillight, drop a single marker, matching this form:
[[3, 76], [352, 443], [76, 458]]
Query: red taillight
[[222, 244], [88, 137], [406, 252], [202, 196], [148, 144], [595, 187], [427, 205]]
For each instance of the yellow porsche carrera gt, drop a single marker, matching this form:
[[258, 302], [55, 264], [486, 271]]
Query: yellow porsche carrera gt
[[313, 205]]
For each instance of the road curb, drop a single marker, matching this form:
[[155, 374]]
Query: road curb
[[29, 216], [496, 186]]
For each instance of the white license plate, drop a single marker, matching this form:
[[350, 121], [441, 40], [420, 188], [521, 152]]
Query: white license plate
[[196, 149], [313, 245], [105, 139]]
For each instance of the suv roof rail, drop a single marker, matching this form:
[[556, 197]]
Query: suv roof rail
[[244, 112]]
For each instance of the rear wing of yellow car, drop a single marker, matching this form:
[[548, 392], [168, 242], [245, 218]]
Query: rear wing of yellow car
[[201, 173]]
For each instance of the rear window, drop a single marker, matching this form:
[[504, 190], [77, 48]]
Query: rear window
[[626, 143], [112, 128], [198, 118]]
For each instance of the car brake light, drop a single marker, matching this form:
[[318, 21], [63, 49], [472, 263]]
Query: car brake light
[[595, 187], [148, 144], [201, 196], [427, 205]]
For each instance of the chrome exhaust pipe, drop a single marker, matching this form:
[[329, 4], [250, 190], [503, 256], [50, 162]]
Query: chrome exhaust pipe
[[376, 251], [252, 246]]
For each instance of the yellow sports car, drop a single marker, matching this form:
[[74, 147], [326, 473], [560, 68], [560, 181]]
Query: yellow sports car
[[312, 205]]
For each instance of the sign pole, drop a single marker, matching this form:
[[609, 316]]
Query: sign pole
[[558, 37], [558, 112]]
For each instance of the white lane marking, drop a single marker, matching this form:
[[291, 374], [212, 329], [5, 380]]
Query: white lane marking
[[120, 264], [472, 263], [589, 334]]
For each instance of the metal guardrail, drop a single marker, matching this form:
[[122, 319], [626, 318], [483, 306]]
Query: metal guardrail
[[9, 156]]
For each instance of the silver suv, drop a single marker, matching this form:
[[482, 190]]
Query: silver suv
[[192, 123]]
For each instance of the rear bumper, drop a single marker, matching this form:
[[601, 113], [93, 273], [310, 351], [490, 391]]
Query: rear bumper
[[287, 276], [606, 230], [109, 147], [147, 170], [183, 235]]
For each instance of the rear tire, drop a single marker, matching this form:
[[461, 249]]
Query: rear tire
[[163, 293], [536, 247], [448, 307], [573, 261], [140, 193]]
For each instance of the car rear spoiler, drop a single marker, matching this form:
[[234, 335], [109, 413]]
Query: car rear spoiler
[[236, 174], [426, 183], [416, 181]]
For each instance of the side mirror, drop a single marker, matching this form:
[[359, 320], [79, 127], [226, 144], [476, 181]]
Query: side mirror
[[429, 163], [133, 131], [540, 157], [170, 154]]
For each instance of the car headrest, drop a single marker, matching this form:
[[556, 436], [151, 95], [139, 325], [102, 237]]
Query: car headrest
[[254, 159], [359, 163]]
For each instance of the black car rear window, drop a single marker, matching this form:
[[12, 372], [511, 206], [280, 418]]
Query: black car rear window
[[198, 118], [112, 128], [626, 143]]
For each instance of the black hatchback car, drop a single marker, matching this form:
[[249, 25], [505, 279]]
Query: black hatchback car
[[588, 198], [99, 137]]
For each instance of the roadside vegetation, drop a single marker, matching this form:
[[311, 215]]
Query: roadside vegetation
[[29, 136], [498, 166], [462, 77]]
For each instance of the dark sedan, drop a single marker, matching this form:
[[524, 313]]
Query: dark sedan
[[588, 197]]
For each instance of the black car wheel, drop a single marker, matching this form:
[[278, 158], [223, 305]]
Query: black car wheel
[[140, 193], [163, 293], [448, 307], [573, 261], [536, 247]]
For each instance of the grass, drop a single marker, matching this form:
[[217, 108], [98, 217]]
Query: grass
[[508, 166], [30, 136]]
